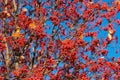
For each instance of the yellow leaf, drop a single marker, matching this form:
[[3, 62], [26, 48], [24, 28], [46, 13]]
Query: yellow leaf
[[32, 25], [16, 35], [17, 30], [81, 36]]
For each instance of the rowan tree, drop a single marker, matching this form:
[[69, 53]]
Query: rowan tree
[[59, 40]]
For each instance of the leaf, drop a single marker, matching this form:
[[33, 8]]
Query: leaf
[[32, 25], [104, 6], [16, 35], [81, 36], [118, 5], [7, 13], [17, 30], [109, 36], [110, 31]]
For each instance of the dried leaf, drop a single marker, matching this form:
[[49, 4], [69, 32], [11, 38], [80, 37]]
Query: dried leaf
[[32, 25], [110, 36], [16, 35], [81, 36]]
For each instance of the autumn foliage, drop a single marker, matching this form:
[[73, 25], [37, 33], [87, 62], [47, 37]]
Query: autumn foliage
[[59, 40]]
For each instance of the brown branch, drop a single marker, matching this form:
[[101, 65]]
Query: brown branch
[[6, 1], [7, 58], [14, 4]]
